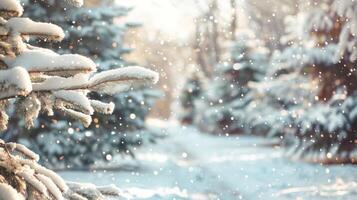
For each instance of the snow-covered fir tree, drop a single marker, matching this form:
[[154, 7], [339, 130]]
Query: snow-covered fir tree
[[320, 65], [190, 94], [326, 131], [228, 94], [35, 80], [96, 32]]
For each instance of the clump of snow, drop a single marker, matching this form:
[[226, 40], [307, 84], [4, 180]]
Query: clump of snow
[[77, 3], [55, 83], [86, 120], [41, 60], [24, 150], [9, 193], [12, 6], [105, 108], [28, 176], [118, 80], [51, 186], [25, 26], [13, 82], [60, 183], [75, 100]]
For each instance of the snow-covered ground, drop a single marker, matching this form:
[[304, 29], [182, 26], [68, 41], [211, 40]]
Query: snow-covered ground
[[192, 165]]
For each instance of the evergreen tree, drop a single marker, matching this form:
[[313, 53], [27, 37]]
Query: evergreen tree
[[93, 32], [189, 96], [228, 93], [326, 131], [318, 71], [34, 80]]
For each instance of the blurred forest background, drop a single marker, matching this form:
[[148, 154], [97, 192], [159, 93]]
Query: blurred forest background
[[281, 69]]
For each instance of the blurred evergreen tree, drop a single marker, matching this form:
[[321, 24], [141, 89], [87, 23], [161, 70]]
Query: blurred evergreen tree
[[227, 94], [314, 80], [325, 130], [190, 94]]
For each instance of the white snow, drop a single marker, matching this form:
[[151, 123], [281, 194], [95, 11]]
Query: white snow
[[51, 186], [75, 99], [14, 82], [109, 190], [28, 175], [347, 40], [344, 7], [24, 150], [25, 26], [193, 165], [318, 20], [42, 60], [85, 188], [104, 108], [118, 80], [77, 3], [12, 6], [86, 120], [48, 173], [53, 83], [8, 193]]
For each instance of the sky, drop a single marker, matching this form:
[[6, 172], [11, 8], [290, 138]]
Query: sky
[[174, 18]]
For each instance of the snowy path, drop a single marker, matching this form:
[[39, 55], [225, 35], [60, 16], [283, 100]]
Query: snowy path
[[192, 165]]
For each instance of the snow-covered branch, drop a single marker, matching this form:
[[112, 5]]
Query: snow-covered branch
[[40, 80], [14, 82]]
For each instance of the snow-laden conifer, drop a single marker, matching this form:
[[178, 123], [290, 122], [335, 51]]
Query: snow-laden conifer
[[27, 81]]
